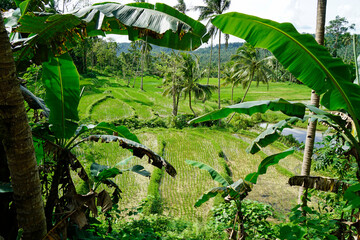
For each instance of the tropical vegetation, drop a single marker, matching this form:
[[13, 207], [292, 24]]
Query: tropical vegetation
[[79, 114]]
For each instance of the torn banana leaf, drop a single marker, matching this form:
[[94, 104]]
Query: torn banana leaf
[[139, 151]]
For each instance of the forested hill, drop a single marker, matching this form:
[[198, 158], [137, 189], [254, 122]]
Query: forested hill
[[203, 53]]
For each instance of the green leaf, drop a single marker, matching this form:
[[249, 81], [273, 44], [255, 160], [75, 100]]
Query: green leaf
[[102, 172], [213, 173], [301, 55], [59, 33], [270, 135], [125, 161], [210, 194], [268, 161], [61, 81], [352, 194], [122, 131], [138, 149], [249, 108], [140, 170]]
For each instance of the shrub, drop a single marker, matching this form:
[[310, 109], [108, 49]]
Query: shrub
[[255, 218]]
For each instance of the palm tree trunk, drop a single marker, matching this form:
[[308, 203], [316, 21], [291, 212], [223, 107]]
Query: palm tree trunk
[[232, 94], [211, 49], [190, 104], [19, 146], [142, 70], [174, 112], [310, 135], [219, 69], [247, 89]]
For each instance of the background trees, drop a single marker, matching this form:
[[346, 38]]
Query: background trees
[[209, 11]]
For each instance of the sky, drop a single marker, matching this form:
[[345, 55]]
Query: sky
[[301, 13]]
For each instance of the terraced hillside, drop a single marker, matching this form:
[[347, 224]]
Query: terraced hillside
[[108, 99]]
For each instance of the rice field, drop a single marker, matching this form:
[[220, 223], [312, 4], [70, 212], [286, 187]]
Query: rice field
[[113, 100]]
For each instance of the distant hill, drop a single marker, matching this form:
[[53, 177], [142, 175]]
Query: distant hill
[[203, 53]]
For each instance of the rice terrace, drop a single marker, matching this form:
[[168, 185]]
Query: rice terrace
[[179, 120]]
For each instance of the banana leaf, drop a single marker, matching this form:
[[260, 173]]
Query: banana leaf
[[270, 135], [268, 161], [308, 61], [249, 108], [158, 24], [61, 81], [138, 149], [213, 173]]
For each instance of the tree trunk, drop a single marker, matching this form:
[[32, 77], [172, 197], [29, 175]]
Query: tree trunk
[[310, 135], [219, 70], [232, 94], [247, 89], [211, 49], [190, 104], [142, 72], [18, 145], [174, 112]]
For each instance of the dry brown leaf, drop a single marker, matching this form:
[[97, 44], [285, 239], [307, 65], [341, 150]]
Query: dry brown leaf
[[104, 201]]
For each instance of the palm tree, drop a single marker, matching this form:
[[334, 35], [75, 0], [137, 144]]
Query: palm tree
[[173, 78], [231, 78], [191, 75], [249, 67], [181, 6], [145, 49], [310, 135], [18, 146], [209, 11]]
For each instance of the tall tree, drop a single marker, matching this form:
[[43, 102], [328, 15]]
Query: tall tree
[[231, 78], [145, 49], [211, 9], [18, 145], [249, 66], [310, 135], [337, 34], [173, 78], [192, 74]]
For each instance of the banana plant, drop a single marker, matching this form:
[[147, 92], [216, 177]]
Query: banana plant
[[157, 24], [313, 65], [238, 190]]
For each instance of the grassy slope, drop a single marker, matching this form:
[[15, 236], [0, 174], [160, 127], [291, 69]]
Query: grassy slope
[[109, 99]]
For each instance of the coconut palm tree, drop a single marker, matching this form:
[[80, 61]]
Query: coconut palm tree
[[173, 78], [249, 67], [18, 146], [181, 6], [145, 49], [191, 75], [209, 11], [310, 135], [231, 78]]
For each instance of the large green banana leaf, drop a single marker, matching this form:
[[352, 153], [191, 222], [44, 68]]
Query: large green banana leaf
[[61, 81], [268, 161], [301, 55], [213, 173], [158, 24], [249, 108]]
